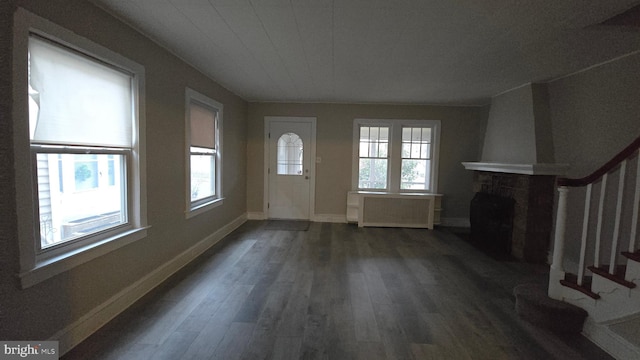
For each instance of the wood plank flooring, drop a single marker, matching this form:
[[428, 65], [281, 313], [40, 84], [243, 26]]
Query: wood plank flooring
[[335, 291]]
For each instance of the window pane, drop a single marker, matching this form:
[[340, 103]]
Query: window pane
[[415, 151], [384, 133], [374, 133], [415, 174], [374, 149], [416, 134], [86, 172], [373, 174], [416, 143], [406, 134], [289, 155], [79, 194], [364, 133], [425, 151], [364, 149], [202, 176], [383, 150]]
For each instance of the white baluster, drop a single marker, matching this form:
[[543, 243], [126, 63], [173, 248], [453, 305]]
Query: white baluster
[[603, 190], [585, 231], [561, 220], [636, 203], [616, 228]]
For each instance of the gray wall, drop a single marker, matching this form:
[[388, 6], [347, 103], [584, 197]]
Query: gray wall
[[461, 136], [40, 311], [594, 114]]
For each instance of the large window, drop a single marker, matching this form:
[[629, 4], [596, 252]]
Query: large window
[[82, 119], [203, 123], [395, 155]]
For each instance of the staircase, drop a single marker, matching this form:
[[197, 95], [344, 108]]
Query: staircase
[[600, 213]]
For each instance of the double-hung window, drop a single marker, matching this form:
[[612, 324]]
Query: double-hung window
[[83, 120], [395, 155], [203, 124], [373, 157]]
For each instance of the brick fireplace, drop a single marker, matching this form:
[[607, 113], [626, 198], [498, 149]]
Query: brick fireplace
[[531, 187]]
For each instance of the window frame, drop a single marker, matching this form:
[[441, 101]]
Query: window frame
[[200, 206], [394, 165], [36, 264]]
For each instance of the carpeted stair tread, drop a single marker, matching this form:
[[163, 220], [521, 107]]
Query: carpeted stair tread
[[533, 305]]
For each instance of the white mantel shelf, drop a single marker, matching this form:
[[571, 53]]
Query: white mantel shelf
[[526, 169]]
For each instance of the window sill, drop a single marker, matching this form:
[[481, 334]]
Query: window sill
[[203, 208], [51, 267]]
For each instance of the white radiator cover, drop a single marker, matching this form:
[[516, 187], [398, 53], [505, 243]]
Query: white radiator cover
[[394, 210]]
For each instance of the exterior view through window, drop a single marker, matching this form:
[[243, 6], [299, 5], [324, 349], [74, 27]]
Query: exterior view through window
[[416, 158], [374, 152], [395, 155]]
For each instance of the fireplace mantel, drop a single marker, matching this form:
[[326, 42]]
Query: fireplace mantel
[[525, 169]]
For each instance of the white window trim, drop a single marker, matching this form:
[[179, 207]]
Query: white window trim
[[191, 209], [394, 153], [34, 269]]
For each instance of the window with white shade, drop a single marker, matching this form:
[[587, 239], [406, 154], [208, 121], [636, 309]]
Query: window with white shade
[[203, 123], [80, 120], [79, 143], [395, 155], [79, 137]]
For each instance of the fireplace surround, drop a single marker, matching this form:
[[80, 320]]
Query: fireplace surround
[[531, 188]]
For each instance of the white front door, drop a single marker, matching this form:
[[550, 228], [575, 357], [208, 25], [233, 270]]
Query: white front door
[[289, 167]]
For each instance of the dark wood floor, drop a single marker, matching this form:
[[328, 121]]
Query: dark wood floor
[[335, 292]]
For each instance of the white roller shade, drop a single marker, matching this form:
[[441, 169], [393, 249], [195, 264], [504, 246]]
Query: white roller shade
[[79, 100], [203, 122]]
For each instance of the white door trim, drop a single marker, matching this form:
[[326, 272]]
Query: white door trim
[[312, 165]]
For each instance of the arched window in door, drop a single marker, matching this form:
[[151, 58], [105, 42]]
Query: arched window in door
[[290, 149]]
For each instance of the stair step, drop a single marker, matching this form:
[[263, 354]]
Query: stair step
[[617, 277], [533, 305], [635, 256], [571, 281]]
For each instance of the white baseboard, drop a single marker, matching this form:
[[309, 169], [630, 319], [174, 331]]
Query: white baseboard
[[455, 222], [89, 323], [330, 218], [256, 216], [609, 341]]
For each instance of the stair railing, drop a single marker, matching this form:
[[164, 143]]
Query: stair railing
[[618, 162]]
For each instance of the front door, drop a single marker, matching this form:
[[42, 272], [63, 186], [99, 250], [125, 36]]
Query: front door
[[289, 168]]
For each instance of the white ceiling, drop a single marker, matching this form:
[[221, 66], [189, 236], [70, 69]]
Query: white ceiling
[[382, 51]]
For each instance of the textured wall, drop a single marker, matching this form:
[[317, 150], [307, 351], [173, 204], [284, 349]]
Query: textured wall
[[461, 136]]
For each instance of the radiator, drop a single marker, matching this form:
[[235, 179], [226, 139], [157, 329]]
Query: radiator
[[398, 210]]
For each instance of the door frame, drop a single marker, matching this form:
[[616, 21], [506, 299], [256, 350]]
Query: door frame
[[312, 159]]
